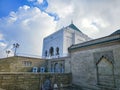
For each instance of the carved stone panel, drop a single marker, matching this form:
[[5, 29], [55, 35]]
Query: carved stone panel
[[58, 66], [107, 54], [105, 73]]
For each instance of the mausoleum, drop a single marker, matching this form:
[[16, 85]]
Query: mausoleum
[[56, 44]]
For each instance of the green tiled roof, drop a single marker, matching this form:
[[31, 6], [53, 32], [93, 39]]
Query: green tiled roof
[[74, 27]]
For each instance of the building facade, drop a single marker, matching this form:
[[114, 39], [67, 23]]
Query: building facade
[[56, 44], [95, 65]]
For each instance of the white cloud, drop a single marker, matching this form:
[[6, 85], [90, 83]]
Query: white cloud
[[102, 15], [89, 28], [2, 44], [31, 0], [35, 2], [61, 8], [1, 36], [28, 27], [25, 7], [39, 1], [2, 47]]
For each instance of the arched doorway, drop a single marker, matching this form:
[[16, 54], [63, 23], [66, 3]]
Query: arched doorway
[[61, 68], [105, 72], [52, 67], [56, 67]]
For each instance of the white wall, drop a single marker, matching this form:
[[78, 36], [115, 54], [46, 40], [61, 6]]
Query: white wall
[[63, 39], [72, 37], [55, 40]]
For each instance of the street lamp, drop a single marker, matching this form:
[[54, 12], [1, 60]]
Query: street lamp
[[15, 45]]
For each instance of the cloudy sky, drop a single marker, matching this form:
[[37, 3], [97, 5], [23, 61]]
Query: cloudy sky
[[27, 22]]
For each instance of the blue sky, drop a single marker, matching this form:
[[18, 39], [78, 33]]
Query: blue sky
[[6, 6], [27, 22]]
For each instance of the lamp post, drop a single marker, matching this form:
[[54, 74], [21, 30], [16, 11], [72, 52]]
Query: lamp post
[[15, 45], [7, 52]]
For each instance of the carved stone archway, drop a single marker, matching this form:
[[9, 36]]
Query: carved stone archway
[[61, 68], [56, 67], [105, 72]]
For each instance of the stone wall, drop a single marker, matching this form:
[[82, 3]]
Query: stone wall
[[20, 64], [97, 68], [32, 81]]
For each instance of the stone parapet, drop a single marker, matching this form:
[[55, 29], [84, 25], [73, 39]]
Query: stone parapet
[[32, 81]]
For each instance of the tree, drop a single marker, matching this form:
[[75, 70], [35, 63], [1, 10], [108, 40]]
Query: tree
[[15, 45]]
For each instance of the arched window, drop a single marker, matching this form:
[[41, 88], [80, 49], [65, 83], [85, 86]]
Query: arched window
[[61, 68], [57, 51], [51, 51], [56, 67], [52, 67], [46, 53]]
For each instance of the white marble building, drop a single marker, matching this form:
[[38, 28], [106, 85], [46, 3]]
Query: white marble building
[[56, 44]]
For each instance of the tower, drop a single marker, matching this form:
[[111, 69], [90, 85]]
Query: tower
[[57, 44]]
